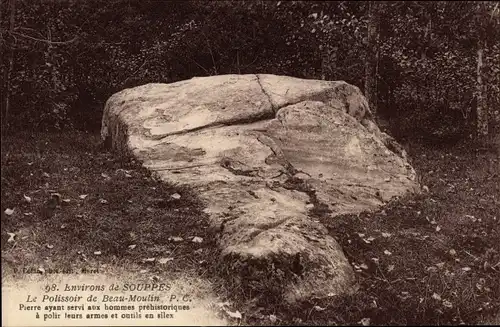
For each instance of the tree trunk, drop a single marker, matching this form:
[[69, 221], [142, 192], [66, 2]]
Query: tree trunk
[[10, 67], [371, 56], [481, 106], [482, 110]]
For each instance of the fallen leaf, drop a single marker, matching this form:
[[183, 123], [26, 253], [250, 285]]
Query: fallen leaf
[[197, 239], [11, 237], [438, 228], [436, 296], [235, 315], [9, 212], [163, 261], [27, 198], [176, 196]]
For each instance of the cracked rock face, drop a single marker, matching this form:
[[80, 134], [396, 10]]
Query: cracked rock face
[[263, 151]]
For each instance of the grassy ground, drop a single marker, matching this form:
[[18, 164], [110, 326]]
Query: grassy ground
[[110, 208], [429, 259]]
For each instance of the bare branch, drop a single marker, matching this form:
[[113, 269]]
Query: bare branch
[[43, 40], [135, 72], [211, 53], [206, 71]]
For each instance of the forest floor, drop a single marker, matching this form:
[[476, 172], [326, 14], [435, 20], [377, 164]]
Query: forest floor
[[432, 258]]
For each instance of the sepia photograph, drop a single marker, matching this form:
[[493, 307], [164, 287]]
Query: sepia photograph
[[252, 162]]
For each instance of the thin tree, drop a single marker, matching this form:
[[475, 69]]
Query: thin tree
[[10, 66], [481, 107], [371, 60]]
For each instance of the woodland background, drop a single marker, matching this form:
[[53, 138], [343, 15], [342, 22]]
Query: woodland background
[[430, 69]]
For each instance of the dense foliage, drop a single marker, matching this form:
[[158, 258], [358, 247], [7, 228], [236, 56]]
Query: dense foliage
[[70, 56]]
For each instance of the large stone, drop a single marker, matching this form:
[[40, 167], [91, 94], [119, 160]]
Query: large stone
[[263, 152]]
